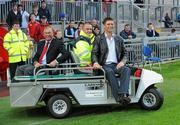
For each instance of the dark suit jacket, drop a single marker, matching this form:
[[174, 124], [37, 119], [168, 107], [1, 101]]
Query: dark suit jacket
[[150, 33], [125, 34], [12, 16], [55, 48], [100, 50]]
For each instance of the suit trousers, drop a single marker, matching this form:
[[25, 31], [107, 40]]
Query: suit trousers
[[25, 70], [13, 67], [124, 78]]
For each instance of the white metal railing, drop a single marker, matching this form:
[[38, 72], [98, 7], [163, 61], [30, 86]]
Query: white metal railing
[[138, 15]]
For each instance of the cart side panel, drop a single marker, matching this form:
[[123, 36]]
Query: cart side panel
[[24, 94]]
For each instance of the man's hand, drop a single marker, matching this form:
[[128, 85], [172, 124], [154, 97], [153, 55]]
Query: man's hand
[[36, 64], [129, 37], [97, 66], [53, 63], [119, 65]]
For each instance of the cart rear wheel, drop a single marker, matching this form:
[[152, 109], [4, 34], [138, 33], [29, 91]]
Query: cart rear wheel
[[152, 99], [59, 106]]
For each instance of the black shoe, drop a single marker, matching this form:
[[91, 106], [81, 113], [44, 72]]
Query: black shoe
[[124, 100]]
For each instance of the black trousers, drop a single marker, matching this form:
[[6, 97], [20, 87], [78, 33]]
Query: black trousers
[[13, 67]]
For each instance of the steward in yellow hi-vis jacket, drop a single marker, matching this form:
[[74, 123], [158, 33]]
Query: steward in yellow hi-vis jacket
[[17, 45], [84, 44]]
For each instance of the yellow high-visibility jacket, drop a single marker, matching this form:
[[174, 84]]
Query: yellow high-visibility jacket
[[17, 45], [83, 48]]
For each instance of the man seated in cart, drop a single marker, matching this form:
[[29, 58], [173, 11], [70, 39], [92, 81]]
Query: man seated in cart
[[83, 45], [110, 54], [48, 51]]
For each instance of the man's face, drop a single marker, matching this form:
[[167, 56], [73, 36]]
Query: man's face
[[33, 18], [80, 26], [151, 27], [109, 26], [20, 8], [35, 9], [43, 5], [94, 22], [72, 24], [16, 27], [127, 28], [87, 28], [44, 21], [48, 34], [15, 7]]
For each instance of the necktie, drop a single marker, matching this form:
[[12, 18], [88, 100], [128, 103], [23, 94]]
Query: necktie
[[43, 52]]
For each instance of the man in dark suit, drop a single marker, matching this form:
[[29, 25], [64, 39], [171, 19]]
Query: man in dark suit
[[13, 14], [47, 53], [151, 31], [109, 53]]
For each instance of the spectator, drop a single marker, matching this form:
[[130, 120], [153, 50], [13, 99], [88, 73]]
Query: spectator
[[127, 33], [174, 46], [83, 45], [167, 21], [107, 6], [2, 11], [70, 30], [17, 50], [173, 32], [151, 32], [39, 31], [35, 12], [44, 11], [13, 14], [79, 28], [32, 26], [25, 18], [14, 1], [58, 35], [4, 61], [47, 53], [109, 53], [139, 2], [178, 17], [136, 11], [94, 24], [96, 31]]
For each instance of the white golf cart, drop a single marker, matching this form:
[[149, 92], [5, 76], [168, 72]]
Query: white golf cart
[[62, 90]]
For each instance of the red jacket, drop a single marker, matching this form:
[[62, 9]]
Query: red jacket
[[32, 27], [4, 58], [39, 32]]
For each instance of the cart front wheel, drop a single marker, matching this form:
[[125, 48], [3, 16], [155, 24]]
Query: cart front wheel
[[152, 99], [59, 106]]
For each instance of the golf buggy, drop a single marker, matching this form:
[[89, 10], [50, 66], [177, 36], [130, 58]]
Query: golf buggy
[[61, 91]]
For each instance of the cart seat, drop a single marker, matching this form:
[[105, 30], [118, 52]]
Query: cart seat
[[56, 77]]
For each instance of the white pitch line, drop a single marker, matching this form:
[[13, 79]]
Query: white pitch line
[[38, 123]]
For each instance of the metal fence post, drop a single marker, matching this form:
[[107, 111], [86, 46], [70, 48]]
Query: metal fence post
[[64, 19], [117, 26], [101, 13], [84, 16], [132, 14]]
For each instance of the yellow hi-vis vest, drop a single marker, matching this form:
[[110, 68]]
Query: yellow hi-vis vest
[[83, 48], [17, 45]]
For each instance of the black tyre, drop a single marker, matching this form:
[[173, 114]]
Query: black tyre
[[152, 99], [59, 106]]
